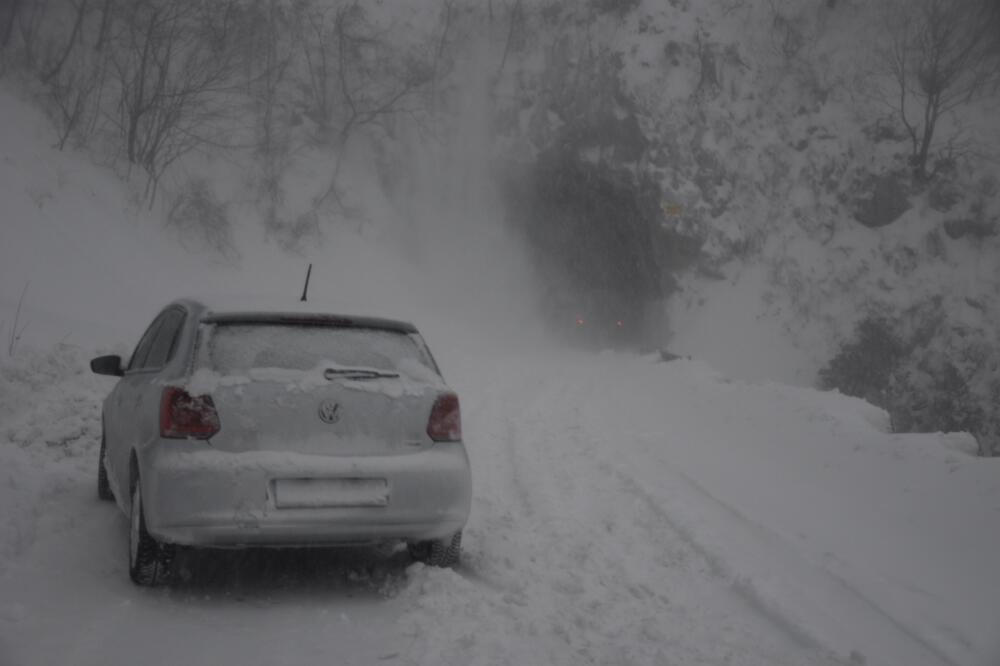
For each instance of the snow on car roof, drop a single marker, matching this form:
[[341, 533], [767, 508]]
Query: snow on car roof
[[308, 318], [260, 308]]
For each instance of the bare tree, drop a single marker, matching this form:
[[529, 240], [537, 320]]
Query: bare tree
[[268, 38], [447, 12], [708, 78], [516, 17], [9, 20], [107, 9], [17, 329], [939, 55], [75, 97], [172, 83], [319, 49], [28, 18], [373, 81], [80, 12]]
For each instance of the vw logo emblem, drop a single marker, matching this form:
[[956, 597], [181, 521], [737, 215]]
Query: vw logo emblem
[[329, 411]]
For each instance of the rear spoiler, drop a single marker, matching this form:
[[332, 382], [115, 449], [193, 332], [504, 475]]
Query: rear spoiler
[[308, 319]]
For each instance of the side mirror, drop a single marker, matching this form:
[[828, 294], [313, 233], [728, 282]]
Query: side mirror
[[107, 365]]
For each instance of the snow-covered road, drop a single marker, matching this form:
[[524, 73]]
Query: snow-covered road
[[571, 561], [625, 512]]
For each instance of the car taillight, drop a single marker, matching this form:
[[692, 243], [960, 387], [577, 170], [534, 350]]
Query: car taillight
[[445, 423], [184, 416]]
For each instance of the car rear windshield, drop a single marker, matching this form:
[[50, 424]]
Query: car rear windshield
[[234, 348]]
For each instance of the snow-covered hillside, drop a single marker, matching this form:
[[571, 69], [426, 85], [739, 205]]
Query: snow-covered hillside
[[776, 148]]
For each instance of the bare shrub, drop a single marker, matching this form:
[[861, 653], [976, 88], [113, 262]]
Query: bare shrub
[[926, 382], [933, 396], [74, 98], [293, 234], [199, 216], [863, 367]]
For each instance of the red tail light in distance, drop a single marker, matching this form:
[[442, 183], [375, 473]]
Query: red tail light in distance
[[445, 423], [183, 416]]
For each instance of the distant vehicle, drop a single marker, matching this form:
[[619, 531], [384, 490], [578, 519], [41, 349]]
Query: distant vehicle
[[235, 429], [595, 318], [602, 330]]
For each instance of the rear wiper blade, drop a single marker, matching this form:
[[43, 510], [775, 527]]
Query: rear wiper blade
[[357, 373]]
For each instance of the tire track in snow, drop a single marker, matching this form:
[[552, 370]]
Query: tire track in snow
[[827, 598], [719, 569], [849, 590], [663, 524], [662, 534], [566, 548]]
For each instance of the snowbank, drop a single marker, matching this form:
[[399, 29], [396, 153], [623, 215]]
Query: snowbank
[[50, 429]]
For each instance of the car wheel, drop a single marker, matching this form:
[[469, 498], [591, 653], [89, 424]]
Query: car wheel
[[103, 487], [148, 560], [438, 552]]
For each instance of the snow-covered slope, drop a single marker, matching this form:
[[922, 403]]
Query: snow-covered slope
[[94, 266]]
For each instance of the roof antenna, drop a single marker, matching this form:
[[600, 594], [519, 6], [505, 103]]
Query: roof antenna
[[305, 287]]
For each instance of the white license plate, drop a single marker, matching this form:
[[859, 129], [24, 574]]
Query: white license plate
[[314, 493]]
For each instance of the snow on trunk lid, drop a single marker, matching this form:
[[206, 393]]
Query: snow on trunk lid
[[317, 389]]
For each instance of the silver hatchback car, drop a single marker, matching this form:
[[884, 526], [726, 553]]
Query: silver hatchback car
[[234, 429]]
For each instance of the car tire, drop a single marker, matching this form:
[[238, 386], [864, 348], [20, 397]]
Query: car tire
[[103, 487], [438, 552], [149, 560]]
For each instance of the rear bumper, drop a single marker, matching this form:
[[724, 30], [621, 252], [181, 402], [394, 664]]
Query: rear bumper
[[193, 495]]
